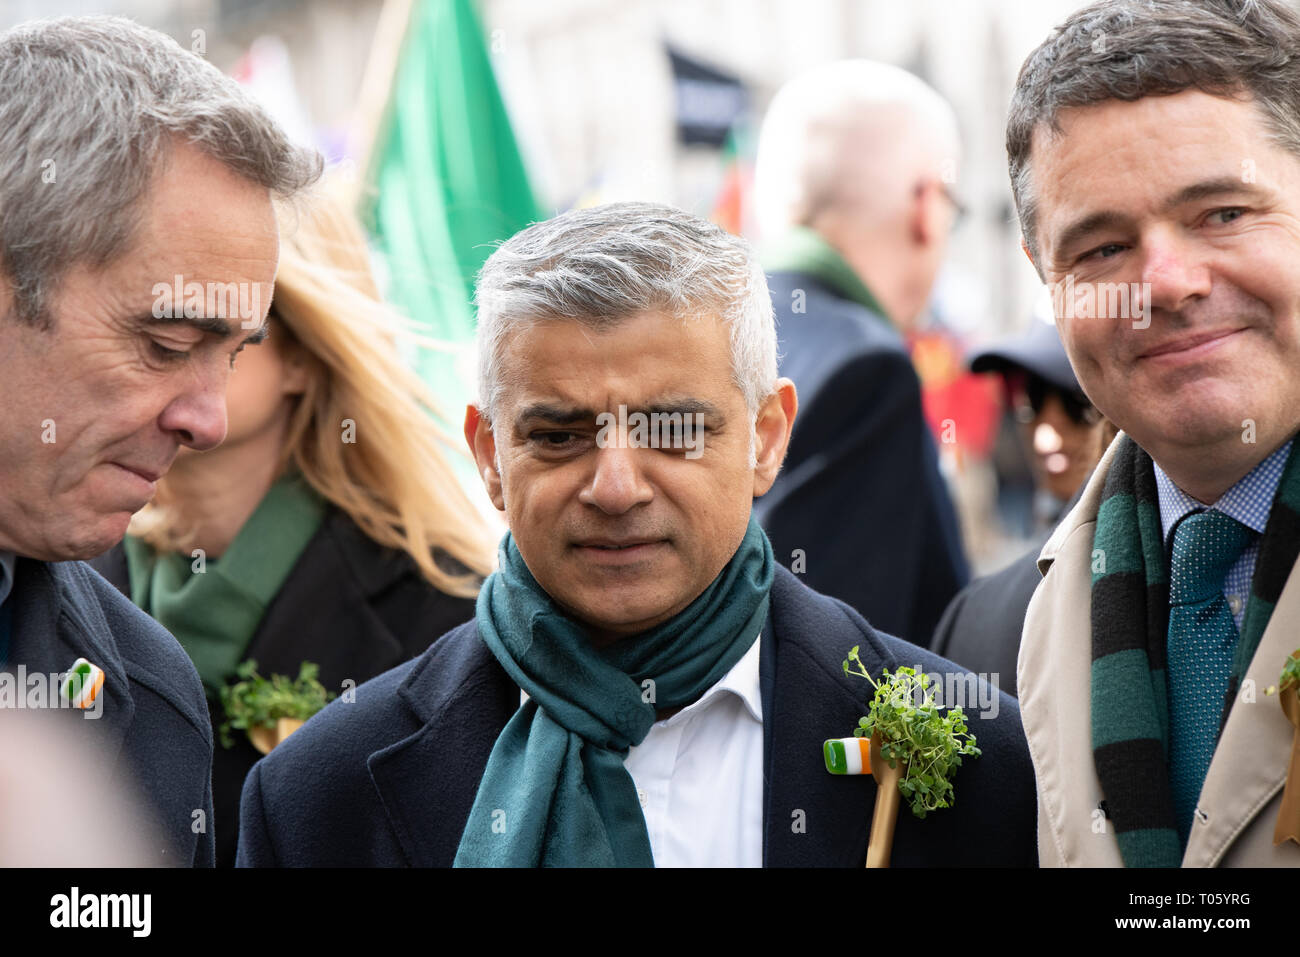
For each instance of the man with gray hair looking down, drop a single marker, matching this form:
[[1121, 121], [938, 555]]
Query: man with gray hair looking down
[[129, 169], [642, 683]]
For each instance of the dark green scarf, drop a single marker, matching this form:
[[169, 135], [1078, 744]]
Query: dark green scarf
[[1130, 623], [802, 250], [555, 792], [215, 614]]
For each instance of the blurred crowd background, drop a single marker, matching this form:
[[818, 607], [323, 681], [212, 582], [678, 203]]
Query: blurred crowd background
[[452, 123]]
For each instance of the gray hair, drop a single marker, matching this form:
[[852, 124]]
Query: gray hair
[[1129, 49], [90, 103], [603, 265]]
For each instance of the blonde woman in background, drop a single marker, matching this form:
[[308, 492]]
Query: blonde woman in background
[[329, 526]]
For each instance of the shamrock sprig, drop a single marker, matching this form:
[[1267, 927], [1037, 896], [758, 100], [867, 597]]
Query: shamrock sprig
[[912, 729], [256, 702], [1290, 674], [1290, 671]]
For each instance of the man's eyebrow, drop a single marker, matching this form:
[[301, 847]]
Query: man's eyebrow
[[685, 406], [1207, 189], [223, 329], [572, 415], [1109, 219], [1080, 229], [557, 414]]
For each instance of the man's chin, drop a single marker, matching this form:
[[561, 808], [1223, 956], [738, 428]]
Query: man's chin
[[94, 538], [1188, 430], [618, 618]]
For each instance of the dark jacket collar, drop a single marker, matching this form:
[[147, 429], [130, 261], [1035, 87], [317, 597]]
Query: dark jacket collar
[[57, 618], [461, 699], [331, 592]]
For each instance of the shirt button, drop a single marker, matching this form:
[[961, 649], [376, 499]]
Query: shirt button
[[640, 794], [1234, 604]]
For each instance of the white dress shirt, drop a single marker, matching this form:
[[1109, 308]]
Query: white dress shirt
[[699, 775]]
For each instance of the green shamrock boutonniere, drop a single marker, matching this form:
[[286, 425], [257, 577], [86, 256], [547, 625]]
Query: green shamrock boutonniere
[[270, 710], [911, 746]]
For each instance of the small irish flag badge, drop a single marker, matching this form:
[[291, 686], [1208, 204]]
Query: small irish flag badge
[[82, 685], [848, 755]]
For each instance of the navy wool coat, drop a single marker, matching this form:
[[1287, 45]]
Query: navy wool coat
[[389, 780], [153, 730]]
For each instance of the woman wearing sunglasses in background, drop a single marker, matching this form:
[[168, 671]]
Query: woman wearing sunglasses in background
[[1064, 436], [1062, 432]]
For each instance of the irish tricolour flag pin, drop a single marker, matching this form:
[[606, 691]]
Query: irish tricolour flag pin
[[82, 685]]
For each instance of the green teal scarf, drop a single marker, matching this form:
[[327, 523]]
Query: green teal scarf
[[1130, 624], [555, 792], [802, 250], [214, 614]]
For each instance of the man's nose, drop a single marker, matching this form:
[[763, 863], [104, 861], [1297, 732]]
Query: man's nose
[[1174, 269], [617, 484], [198, 415]]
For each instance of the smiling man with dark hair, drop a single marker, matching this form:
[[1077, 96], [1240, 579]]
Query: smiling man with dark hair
[[1154, 148]]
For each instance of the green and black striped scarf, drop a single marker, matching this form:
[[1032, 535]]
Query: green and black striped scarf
[[1130, 622]]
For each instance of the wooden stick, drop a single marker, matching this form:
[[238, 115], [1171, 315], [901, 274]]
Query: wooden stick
[[885, 816]]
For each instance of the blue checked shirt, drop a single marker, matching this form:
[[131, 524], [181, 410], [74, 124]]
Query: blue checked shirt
[[1249, 502]]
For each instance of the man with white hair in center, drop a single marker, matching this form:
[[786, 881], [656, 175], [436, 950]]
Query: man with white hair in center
[[853, 185]]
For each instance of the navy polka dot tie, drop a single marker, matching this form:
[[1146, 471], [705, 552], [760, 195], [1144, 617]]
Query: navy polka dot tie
[[1202, 639]]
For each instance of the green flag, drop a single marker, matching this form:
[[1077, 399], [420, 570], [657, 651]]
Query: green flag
[[448, 180]]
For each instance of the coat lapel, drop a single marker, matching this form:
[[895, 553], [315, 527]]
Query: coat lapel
[[811, 817], [52, 629], [427, 781]]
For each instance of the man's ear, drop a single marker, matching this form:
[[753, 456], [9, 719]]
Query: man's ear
[[1030, 256], [772, 433], [927, 212], [483, 446]]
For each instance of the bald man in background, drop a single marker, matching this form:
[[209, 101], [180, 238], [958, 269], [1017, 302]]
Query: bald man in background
[[852, 185]]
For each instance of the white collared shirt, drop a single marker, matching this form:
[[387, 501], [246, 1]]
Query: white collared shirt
[[699, 775]]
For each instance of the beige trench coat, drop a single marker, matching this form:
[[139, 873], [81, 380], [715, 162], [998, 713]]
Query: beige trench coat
[[1237, 810]]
